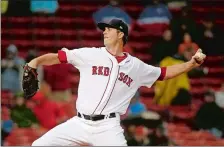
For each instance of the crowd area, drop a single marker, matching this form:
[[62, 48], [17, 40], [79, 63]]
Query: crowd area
[[173, 112]]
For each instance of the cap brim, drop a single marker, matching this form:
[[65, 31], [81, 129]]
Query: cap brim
[[102, 26]]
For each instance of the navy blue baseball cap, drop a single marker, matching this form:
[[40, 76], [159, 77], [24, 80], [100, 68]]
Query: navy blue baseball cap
[[117, 24]]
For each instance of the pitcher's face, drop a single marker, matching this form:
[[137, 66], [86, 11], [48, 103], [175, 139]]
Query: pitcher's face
[[110, 36]]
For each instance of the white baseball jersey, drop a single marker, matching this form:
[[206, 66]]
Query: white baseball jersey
[[107, 86]]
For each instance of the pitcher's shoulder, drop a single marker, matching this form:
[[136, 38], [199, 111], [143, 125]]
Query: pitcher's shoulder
[[91, 49], [135, 59]]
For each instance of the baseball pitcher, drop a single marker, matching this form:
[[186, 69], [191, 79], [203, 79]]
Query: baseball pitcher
[[109, 78]]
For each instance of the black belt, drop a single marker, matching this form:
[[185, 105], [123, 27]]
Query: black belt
[[95, 117]]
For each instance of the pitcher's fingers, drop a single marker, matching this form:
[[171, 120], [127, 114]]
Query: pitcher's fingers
[[196, 57]]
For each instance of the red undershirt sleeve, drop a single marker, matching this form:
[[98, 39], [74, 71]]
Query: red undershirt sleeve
[[62, 56], [163, 74]]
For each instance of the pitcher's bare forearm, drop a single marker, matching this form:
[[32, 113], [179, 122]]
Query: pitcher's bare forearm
[[47, 59], [176, 70]]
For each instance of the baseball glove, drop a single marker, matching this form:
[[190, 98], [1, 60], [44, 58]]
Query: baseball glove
[[30, 81]]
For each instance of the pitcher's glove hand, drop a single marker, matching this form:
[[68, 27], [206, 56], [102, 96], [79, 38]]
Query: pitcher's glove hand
[[30, 81]]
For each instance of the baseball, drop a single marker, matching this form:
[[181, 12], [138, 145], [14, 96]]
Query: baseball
[[199, 56]]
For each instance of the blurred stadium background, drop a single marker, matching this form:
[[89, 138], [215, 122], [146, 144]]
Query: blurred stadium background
[[188, 110]]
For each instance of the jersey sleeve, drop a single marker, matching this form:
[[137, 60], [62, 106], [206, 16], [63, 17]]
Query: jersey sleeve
[[148, 74], [76, 57]]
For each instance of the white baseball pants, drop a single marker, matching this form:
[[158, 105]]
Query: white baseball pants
[[106, 132]]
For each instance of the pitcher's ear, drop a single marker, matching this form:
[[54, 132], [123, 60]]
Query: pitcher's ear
[[120, 35]]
